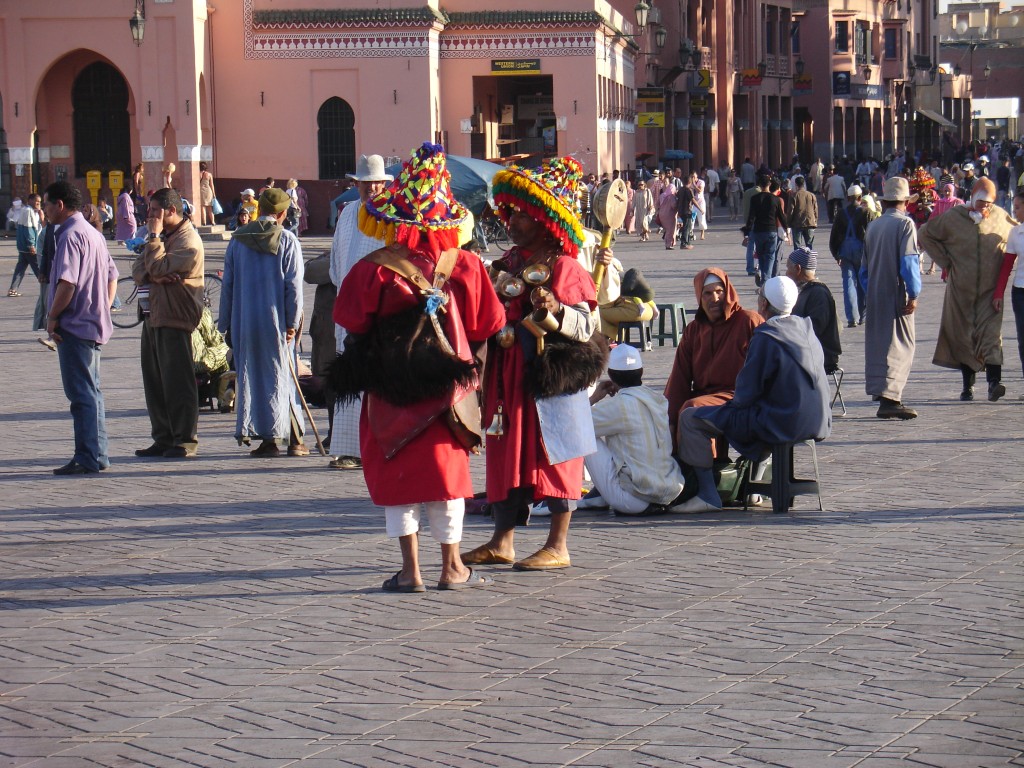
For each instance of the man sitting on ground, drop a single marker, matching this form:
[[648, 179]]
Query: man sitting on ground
[[781, 395], [633, 469], [816, 303]]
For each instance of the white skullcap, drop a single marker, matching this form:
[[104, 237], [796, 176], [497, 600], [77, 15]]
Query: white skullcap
[[781, 293], [713, 278], [854, 191], [624, 358]]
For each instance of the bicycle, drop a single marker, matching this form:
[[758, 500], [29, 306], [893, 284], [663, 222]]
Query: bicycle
[[494, 230], [125, 313]]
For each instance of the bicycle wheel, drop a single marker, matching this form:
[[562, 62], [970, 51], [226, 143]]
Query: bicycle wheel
[[497, 234], [211, 294], [125, 311]]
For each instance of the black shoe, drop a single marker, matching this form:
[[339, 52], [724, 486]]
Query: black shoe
[[995, 390], [153, 450], [179, 452], [757, 280], [74, 468], [851, 324], [967, 395], [891, 409]]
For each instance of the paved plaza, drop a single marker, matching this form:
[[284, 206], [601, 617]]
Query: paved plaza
[[226, 611]]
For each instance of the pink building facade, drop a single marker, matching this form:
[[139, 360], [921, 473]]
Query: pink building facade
[[287, 88], [872, 84]]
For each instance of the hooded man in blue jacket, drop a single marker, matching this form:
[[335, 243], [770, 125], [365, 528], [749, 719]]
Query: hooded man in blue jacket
[[782, 395]]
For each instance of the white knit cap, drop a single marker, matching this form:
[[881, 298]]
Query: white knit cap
[[624, 358], [781, 293]]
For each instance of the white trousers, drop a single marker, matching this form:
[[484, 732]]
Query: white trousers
[[601, 466], [445, 520]]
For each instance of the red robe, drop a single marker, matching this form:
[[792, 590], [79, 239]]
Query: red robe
[[433, 466], [517, 458]]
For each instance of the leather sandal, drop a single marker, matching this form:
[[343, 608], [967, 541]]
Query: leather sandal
[[484, 555], [544, 559]]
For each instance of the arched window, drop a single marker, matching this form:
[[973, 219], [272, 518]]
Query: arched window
[[99, 99], [336, 138]]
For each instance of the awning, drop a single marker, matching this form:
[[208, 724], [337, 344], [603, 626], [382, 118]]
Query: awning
[[935, 117]]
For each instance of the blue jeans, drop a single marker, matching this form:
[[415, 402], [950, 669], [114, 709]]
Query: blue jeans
[[766, 244], [1017, 300], [751, 270], [80, 371], [852, 291], [807, 235]]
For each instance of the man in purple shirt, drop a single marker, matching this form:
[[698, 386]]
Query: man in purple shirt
[[83, 280]]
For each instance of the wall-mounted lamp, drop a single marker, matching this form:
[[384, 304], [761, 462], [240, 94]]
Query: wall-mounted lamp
[[932, 73], [987, 71], [911, 70], [137, 22], [762, 68], [867, 72], [660, 36], [956, 70], [800, 66], [642, 10]]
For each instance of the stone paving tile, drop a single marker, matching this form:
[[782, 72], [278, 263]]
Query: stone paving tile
[[226, 612]]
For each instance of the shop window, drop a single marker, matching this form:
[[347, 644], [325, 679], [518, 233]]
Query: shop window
[[336, 138], [99, 100]]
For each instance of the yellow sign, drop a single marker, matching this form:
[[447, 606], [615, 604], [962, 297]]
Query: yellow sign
[[515, 66], [704, 78], [750, 78], [650, 120]]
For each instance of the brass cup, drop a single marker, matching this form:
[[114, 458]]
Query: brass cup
[[510, 287]]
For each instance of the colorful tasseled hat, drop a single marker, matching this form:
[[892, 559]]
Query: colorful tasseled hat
[[417, 205], [921, 180], [548, 194]]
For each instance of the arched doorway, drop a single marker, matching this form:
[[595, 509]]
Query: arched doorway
[[100, 120], [336, 138]]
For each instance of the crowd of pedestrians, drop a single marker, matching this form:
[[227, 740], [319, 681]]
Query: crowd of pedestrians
[[407, 316]]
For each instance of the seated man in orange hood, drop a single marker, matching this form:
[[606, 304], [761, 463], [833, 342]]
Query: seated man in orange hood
[[712, 351]]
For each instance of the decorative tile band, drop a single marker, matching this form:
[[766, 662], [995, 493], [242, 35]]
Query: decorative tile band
[[20, 155], [152, 153], [339, 45], [289, 42], [484, 45], [188, 153]]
